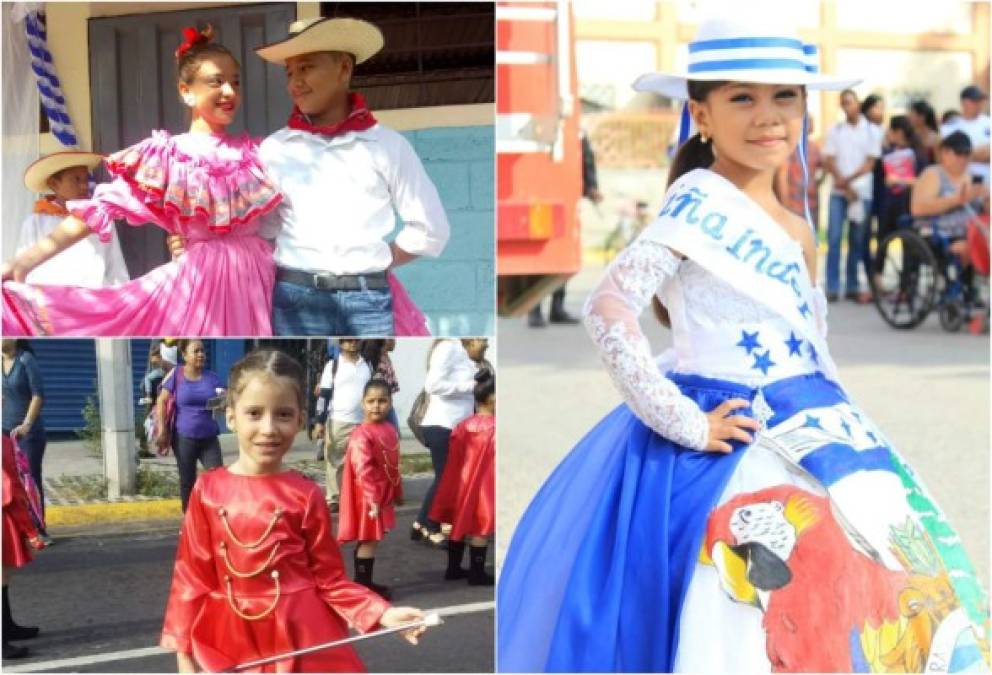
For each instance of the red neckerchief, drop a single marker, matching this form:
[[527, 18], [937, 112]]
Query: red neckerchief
[[49, 207], [359, 119]]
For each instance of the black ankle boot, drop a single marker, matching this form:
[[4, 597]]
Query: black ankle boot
[[477, 575], [363, 575], [12, 630], [13, 651], [456, 551], [535, 319]]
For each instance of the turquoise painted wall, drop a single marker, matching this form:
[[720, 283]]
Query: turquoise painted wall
[[457, 290]]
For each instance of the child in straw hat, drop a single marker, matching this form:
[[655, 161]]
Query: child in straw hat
[[91, 264]]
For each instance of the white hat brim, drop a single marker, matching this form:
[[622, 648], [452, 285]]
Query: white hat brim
[[673, 85], [354, 36], [36, 176]]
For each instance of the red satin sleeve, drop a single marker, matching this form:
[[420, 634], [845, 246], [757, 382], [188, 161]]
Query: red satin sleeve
[[368, 472], [359, 606], [193, 578]]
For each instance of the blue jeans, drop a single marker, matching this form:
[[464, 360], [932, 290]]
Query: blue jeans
[[437, 442], [302, 310], [837, 214]]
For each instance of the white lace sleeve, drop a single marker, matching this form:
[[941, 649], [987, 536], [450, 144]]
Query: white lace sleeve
[[611, 316], [820, 311]]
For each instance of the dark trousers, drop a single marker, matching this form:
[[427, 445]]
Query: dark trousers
[[437, 442], [188, 451], [33, 446]]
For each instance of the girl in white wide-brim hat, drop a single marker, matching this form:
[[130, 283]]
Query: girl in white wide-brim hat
[[739, 512]]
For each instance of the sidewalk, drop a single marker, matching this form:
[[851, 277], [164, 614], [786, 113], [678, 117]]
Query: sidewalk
[[75, 490]]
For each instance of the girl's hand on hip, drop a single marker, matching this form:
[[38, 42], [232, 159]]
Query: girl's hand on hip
[[726, 427], [394, 616]]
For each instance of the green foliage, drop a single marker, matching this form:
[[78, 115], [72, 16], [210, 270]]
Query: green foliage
[[92, 434], [152, 483]]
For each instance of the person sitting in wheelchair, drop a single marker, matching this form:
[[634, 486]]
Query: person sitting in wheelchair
[[946, 196]]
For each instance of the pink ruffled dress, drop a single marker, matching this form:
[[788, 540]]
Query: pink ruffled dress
[[209, 188]]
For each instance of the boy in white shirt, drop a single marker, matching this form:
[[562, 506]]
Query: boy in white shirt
[[344, 180], [89, 263], [339, 409]]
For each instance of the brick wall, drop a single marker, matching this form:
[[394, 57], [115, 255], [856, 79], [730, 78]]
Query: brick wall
[[456, 291]]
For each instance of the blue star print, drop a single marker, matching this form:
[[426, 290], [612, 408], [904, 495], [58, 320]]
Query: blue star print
[[846, 427], [749, 341], [794, 344], [813, 422], [872, 437], [856, 416], [804, 309], [763, 362], [812, 354]]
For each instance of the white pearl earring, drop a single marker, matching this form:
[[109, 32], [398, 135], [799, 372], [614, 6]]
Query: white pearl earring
[[190, 100]]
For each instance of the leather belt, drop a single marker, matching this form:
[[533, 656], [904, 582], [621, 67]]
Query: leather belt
[[333, 282]]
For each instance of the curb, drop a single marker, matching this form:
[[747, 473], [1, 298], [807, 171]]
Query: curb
[[87, 514]]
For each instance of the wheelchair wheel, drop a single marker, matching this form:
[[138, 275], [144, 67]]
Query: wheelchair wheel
[[905, 289], [952, 315]]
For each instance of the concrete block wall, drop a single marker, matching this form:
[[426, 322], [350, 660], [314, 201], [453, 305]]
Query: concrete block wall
[[457, 290]]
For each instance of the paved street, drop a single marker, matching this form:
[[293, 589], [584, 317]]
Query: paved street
[[927, 389], [99, 599]]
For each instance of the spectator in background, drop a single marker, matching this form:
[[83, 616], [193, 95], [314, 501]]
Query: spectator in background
[[476, 350], [945, 196], [789, 180], [904, 159], [339, 410], [23, 398], [450, 382], [150, 385], [590, 190], [195, 434], [975, 124], [924, 120], [949, 116], [873, 108], [850, 152]]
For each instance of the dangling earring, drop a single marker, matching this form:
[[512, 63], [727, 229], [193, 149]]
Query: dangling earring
[[704, 138], [189, 100]]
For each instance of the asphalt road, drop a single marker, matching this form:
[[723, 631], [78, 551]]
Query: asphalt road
[[927, 389], [100, 597]]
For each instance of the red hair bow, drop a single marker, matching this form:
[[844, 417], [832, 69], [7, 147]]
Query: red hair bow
[[193, 37]]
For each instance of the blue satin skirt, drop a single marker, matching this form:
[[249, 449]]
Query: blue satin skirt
[[599, 564]]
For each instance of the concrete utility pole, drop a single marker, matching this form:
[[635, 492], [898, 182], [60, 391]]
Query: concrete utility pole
[[113, 359]]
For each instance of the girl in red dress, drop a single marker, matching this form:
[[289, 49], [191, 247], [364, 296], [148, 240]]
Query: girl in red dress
[[258, 572], [466, 494], [371, 484], [20, 540]]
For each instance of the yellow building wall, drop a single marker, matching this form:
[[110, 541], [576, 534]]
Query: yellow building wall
[[69, 45]]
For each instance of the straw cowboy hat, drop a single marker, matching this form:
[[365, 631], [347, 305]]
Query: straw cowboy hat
[[36, 176], [354, 36], [742, 50]]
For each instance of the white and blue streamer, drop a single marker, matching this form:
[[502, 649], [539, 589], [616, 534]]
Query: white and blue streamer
[[49, 87]]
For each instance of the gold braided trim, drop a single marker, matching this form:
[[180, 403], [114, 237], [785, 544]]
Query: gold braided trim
[[252, 617], [222, 512], [247, 575]]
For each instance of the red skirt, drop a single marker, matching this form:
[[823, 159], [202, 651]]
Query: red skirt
[[221, 639]]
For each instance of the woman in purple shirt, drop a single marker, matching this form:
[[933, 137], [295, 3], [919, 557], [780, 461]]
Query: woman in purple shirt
[[195, 432]]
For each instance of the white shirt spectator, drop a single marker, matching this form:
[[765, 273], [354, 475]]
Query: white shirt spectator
[[348, 382], [850, 145], [88, 263], [450, 383], [341, 198], [978, 131]]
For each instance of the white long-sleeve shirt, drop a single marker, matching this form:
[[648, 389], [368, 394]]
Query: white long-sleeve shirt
[[450, 382], [341, 199], [88, 263]]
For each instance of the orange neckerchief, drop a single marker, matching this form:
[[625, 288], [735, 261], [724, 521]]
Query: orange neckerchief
[[49, 207]]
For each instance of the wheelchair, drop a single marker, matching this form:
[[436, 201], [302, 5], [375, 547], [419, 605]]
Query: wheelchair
[[920, 274]]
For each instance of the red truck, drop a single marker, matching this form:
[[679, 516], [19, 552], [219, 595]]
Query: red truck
[[538, 153]]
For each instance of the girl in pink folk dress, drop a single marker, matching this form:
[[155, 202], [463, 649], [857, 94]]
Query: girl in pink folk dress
[[204, 185]]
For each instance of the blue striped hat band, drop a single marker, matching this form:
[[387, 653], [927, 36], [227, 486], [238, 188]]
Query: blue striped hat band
[[752, 53]]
